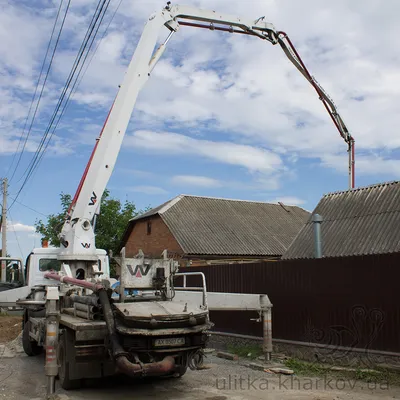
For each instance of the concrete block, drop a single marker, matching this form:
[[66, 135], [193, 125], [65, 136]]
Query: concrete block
[[389, 367], [257, 366], [227, 356], [285, 371], [5, 352]]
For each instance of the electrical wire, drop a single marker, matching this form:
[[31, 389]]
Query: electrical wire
[[15, 234], [66, 104], [34, 167], [29, 208], [61, 98], [72, 89], [99, 14], [98, 44], [37, 86]]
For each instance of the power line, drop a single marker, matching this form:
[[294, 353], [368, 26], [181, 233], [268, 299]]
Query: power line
[[75, 88], [30, 208], [99, 42], [37, 157], [95, 51], [15, 234], [72, 89], [39, 153], [58, 38], [76, 84], [37, 86]]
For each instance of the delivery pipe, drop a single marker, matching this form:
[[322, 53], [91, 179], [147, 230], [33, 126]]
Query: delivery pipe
[[121, 360], [90, 300], [86, 308], [73, 281], [82, 314]]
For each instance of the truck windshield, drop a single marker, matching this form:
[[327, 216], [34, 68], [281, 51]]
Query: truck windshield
[[48, 264]]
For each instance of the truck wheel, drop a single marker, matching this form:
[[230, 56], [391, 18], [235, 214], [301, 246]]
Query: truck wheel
[[31, 347], [181, 371], [178, 373], [63, 373]]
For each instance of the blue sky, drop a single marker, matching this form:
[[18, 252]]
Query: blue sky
[[221, 115]]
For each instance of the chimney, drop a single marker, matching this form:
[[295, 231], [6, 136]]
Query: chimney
[[317, 220], [45, 243]]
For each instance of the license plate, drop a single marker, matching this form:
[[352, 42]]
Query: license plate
[[169, 342]]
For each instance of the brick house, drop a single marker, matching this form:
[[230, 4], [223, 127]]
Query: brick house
[[203, 230]]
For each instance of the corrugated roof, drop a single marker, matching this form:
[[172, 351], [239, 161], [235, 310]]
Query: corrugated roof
[[213, 226], [359, 221]]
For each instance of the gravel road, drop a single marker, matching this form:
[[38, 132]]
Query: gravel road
[[22, 378]]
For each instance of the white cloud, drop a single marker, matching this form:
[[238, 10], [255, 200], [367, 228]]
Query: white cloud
[[19, 227], [137, 172], [264, 98], [239, 90], [148, 189], [24, 33], [288, 200], [35, 235], [196, 180], [252, 158], [366, 164]]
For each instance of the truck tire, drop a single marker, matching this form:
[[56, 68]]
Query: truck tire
[[30, 347], [63, 372], [181, 371]]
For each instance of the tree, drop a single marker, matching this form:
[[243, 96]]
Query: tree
[[52, 227], [110, 225]]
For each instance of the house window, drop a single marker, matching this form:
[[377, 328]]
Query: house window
[[148, 227]]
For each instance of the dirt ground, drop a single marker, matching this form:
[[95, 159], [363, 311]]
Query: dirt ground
[[23, 378], [10, 327]]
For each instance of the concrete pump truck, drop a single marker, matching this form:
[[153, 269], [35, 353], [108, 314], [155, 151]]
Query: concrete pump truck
[[145, 326]]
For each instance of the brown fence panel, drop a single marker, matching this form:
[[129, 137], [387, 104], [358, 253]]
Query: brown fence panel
[[352, 301]]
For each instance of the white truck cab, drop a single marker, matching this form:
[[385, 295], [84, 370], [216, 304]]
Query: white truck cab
[[40, 261], [44, 259]]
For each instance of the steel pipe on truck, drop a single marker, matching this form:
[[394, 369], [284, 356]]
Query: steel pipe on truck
[[73, 281]]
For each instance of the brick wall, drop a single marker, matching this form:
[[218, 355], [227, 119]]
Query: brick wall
[[152, 244]]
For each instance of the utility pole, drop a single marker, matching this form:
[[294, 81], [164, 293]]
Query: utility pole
[[4, 231]]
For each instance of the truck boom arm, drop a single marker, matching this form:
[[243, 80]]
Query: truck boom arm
[[77, 236]]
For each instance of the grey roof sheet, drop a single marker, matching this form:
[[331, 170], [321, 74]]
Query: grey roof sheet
[[211, 226], [360, 221]]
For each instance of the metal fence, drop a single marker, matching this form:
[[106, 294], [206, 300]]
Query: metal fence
[[352, 301]]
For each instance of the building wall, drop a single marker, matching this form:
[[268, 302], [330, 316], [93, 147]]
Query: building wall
[[161, 238], [153, 243]]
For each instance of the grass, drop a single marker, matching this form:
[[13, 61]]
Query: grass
[[309, 369], [306, 368], [303, 368], [251, 351]]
